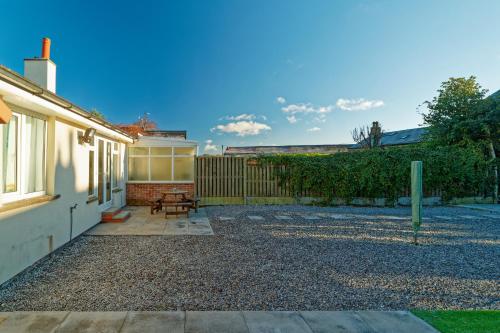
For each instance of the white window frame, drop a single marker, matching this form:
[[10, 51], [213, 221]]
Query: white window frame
[[115, 154], [22, 163], [172, 157], [92, 147]]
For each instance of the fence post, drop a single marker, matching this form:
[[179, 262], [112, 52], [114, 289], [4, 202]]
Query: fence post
[[416, 197], [245, 163]]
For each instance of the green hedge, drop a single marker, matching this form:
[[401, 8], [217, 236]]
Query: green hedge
[[385, 173]]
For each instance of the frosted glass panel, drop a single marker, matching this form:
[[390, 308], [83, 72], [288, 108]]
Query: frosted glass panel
[[138, 151], [184, 151], [138, 168], [184, 168], [161, 151], [161, 168], [34, 147], [8, 155]]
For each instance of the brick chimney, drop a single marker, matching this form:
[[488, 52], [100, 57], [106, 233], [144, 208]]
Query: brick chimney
[[42, 70]]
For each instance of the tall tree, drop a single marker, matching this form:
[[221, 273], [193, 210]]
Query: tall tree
[[145, 123], [460, 114]]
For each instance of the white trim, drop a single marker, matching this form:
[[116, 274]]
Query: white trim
[[14, 95]]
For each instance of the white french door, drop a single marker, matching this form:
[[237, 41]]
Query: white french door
[[104, 173]]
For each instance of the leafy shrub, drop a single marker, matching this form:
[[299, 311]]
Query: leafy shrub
[[385, 173]]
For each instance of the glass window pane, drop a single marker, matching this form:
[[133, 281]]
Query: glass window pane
[[138, 150], [34, 154], [108, 171], [138, 168], [161, 168], [9, 135], [116, 169], [184, 151], [91, 172], [184, 168], [161, 151]]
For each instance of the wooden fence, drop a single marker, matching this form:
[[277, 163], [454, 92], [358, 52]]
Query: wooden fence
[[238, 180]]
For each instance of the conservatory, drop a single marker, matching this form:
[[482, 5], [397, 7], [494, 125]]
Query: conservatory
[[159, 163]]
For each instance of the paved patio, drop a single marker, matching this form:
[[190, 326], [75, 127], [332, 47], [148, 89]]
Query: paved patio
[[142, 223], [214, 321]]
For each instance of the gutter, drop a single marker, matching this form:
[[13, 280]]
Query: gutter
[[15, 79]]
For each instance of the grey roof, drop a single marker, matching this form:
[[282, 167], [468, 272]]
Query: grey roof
[[495, 95], [398, 138], [166, 133], [294, 149]]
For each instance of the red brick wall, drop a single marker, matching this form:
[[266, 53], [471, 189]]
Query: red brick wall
[[141, 193]]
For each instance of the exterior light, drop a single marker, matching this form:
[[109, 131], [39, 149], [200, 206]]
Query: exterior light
[[87, 137]]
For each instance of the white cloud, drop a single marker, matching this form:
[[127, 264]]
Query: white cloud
[[243, 116], [242, 128], [281, 100], [306, 108], [358, 104], [321, 118], [209, 146], [314, 129], [292, 119]]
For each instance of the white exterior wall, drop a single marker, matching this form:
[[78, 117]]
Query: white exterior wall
[[28, 234]]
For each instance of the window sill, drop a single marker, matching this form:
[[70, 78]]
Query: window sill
[[28, 202], [116, 190], [91, 199]]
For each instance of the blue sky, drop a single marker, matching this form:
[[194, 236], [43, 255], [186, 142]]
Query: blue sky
[[257, 72]]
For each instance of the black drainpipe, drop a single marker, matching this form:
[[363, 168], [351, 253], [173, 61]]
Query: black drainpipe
[[71, 209]]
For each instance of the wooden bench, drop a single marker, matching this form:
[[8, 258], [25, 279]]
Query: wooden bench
[[195, 203], [185, 206], [157, 206]]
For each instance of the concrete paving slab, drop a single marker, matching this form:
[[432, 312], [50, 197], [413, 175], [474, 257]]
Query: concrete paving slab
[[31, 322], [255, 217], [395, 322], [142, 223], [154, 322], [283, 217], [443, 217], [310, 217], [91, 322], [215, 322], [335, 322], [275, 321], [392, 217], [469, 217]]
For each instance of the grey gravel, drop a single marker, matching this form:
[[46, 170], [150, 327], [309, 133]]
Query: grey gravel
[[347, 258]]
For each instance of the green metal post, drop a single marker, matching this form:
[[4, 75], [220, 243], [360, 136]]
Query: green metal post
[[416, 197]]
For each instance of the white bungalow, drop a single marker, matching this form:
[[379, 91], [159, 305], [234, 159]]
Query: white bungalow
[[61, 167]]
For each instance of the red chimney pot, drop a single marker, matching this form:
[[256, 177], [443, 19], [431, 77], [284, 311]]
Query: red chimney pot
[[46, 48]]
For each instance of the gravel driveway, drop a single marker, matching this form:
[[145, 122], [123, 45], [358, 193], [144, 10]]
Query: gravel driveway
[[277, 258]]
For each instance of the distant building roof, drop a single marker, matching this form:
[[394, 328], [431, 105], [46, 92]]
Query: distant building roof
[[297, 149], [495, 95], [399, 138], [166, 134]]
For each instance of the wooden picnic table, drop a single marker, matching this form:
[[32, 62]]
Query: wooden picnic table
[[180, 201], [175, 193]]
